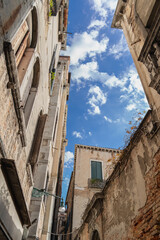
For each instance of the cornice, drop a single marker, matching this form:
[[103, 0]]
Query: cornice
[[118, 14], [96, 148]]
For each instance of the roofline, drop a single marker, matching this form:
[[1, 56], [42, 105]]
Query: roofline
[[96, 148], [118, 14]]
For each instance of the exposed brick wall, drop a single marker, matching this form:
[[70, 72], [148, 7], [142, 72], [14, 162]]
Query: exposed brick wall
[[132, 201], [146, 225], [9, 129]]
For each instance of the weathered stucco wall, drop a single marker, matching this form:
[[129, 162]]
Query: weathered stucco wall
[[131, 197], [83, 193]]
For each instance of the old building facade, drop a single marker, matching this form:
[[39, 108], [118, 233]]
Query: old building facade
[[128, 206], [140, 23], [92, 166], [34, 83]]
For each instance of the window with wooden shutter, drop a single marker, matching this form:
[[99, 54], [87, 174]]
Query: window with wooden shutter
[[37, 140], [96, 170], [31, 91]]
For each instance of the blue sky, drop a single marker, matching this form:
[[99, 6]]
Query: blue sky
[[105, 90]]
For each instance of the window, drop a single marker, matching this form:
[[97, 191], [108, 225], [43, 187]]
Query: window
[[34, 153], [96, 170], [24, 43], [31, 91]]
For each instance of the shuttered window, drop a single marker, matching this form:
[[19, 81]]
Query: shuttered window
[[96, 170], [37, 140]]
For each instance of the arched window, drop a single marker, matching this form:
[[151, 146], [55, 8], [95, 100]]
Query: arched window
[[24, 43], [31, 90], [95, 235]]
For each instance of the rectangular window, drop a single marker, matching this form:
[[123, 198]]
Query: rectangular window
[[37, 139], [96, 170]]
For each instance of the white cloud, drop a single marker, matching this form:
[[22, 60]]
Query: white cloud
[[89, 72], [77, 134], [134, 79], [68, 156], [108, 119], [111, 121], [128, 82], [90, 134], [113, 81], [103, 6], [119, 49], [95, 109], [96, 99], [98, 24], [131, 106], [68, 159], [85, 45], [133, 91], [86, 71]]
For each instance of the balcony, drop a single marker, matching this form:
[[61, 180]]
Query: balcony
[[96, 183]]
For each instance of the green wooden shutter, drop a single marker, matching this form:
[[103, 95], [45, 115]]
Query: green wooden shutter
[[99, 170], [93, 170], [96, 170]]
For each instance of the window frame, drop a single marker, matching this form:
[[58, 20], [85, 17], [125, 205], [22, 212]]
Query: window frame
[[95, 160]]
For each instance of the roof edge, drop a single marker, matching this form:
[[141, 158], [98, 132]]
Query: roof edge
[[118, 14]]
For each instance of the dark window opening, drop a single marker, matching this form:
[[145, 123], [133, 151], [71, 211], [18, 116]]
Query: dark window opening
[[95, 235]]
